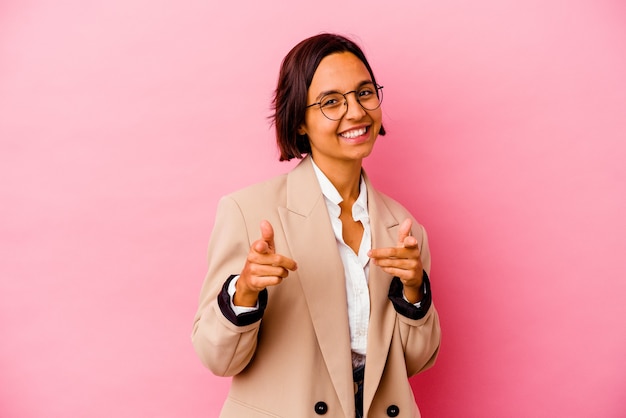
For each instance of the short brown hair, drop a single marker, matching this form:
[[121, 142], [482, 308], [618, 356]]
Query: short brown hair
[[294, 80]]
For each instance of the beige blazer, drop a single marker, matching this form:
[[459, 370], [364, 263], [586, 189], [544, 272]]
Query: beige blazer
[[298, 354]]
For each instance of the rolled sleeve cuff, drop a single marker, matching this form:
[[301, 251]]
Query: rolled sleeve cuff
[[404, 307], [224, 300]]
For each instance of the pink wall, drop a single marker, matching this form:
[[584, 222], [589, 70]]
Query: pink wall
[[122, 122]]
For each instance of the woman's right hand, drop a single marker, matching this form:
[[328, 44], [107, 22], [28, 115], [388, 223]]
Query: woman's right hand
[[263, 268]]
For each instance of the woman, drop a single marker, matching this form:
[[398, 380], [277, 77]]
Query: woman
[[317, 299]]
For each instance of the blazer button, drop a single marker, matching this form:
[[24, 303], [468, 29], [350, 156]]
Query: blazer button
[[393, 411], [321, 408]]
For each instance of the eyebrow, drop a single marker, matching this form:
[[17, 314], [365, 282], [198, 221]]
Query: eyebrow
[[361, 84]]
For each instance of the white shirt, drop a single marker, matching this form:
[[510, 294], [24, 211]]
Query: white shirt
[[355, 266]]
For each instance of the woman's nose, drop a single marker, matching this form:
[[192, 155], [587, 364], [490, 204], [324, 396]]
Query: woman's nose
[[355, 110]]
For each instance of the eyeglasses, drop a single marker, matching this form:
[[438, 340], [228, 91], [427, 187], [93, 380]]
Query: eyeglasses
[[335, 105]]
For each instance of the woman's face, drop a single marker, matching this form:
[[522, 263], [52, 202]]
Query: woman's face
[[351, 138]]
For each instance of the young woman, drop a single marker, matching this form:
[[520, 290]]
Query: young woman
[[317, 299]]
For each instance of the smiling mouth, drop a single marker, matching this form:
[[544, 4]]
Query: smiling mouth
[[354, 133]]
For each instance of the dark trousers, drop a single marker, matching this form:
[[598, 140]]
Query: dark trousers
[[358, 375]]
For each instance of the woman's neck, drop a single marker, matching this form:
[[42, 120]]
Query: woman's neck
[[345, 177]]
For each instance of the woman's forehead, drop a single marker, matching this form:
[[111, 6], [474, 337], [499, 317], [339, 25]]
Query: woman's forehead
[[339, 71]]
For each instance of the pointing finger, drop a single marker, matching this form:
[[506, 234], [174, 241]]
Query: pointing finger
[[404, 232], [267, 234]]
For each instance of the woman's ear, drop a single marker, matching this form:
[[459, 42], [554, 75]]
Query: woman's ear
[[301, 130]]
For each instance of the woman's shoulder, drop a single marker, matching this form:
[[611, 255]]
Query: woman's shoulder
[[391, 203], [269, 189], [397, 209], [273, 189]]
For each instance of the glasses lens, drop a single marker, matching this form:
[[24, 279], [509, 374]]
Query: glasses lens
[[333, 106], [370, 97]]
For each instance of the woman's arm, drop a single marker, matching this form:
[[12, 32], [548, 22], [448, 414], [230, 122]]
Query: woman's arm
[[222, 346], [420, 330]]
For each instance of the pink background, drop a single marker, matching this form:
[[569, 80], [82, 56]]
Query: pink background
[[122, 123]]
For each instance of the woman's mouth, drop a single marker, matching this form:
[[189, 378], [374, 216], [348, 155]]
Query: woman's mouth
[[354, 133]]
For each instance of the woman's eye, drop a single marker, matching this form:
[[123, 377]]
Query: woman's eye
[[330, 101], [366, 92]]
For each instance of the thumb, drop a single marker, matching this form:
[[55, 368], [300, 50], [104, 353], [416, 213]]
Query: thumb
[[267, 234]]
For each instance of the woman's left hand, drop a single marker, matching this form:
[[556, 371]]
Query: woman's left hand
[[402, 261]]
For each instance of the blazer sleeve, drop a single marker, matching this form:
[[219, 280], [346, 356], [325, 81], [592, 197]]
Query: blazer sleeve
[[223, 346], [420, 334]]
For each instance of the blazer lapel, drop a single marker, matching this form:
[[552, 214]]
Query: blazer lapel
[[312, 243], [384, 228]]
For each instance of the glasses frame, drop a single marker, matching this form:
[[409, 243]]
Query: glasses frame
[[377, 87]]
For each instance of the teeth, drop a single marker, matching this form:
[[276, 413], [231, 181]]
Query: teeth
[[354, 134]]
